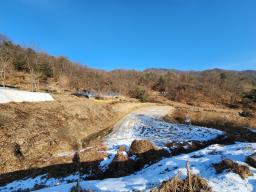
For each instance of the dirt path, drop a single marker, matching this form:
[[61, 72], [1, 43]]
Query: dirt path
[[125, 113], [123, 131]]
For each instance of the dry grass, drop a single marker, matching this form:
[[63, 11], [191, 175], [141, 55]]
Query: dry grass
[[224, 119], [193, 183], [141, 146], [44, 129], [229, 165], [213, 117]]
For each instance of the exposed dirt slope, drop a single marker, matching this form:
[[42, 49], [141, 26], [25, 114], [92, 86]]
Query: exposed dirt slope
[[31, 133]]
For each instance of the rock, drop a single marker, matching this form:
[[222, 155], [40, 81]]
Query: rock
[[251, 160]]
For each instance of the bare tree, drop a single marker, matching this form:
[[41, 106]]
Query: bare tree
[[34, 75], [5, 63]]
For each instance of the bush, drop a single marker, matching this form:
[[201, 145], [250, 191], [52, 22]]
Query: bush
[[249, 99], [139, 93], [193, 183], [251, 95], [46, 70]]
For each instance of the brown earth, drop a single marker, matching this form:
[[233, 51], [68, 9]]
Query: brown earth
[[32, 134], [221, 118], [209, 114], [230, 165]]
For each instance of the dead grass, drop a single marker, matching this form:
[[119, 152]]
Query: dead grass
[[141, 146], [229, 165], [44, 129], [193, 183], [213, 117], [227, 120]]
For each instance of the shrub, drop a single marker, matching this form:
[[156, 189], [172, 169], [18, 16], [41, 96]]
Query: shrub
[[251, 95], [227, 164], [139, 93], [193, 183]]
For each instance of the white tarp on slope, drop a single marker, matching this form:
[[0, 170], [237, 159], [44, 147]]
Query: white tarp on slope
[[12, 95]]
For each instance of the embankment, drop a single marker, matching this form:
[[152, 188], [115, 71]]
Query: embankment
[[32, 133]]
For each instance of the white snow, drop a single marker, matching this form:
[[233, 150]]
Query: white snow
[[13, 95], [29, 183], [146, 124], [253, 130], [200, 162]]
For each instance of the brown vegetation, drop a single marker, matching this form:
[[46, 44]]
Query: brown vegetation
[[193, 183], [230, 165], [32, 133], [224, 119], [251, 160], [58, 73], [146, 152], [141, 146]]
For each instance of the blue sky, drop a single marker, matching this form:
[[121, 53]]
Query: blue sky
[[137, 34]]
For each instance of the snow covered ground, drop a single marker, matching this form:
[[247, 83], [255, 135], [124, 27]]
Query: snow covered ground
[[147, 124], [13, 95], [200, 162], [253, 130]]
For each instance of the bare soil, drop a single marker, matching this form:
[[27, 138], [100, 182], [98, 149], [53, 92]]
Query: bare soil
[[33, 133]]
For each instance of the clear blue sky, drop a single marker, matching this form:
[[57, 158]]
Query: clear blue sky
[[137, 34]]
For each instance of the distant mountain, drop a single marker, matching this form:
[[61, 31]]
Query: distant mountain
[[164, 70], [207, 70]]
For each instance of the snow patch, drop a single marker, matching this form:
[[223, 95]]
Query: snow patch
[[200, 162], [148, 125]]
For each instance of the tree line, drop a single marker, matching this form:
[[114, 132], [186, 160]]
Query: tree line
[[214, 86]]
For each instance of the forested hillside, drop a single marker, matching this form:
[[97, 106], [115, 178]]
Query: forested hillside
[[44, 71]]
